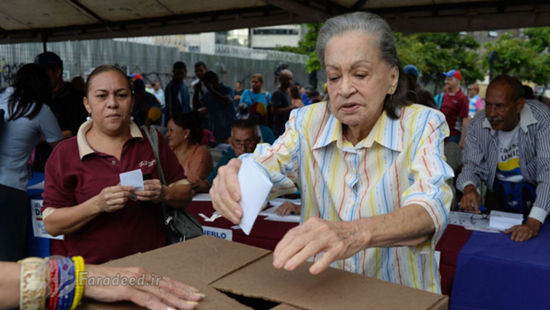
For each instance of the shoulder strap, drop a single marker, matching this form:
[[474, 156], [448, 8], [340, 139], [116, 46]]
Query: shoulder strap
[[152, 135]]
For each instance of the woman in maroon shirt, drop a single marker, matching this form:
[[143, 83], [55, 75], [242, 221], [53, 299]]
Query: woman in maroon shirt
[[83, 198]]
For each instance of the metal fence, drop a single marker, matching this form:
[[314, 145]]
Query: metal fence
[[154, 61]]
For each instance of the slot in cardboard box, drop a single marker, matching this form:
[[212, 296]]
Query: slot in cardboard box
[[237, 276]]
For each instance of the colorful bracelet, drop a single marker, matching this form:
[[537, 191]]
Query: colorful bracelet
[[54, 284], [79, 281], [72, 285], [33, 283], [64, 269]]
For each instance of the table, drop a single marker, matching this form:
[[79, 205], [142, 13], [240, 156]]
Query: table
[[264, 234], [494, 272]]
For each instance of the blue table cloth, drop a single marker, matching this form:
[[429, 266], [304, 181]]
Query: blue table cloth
[[494, 272]]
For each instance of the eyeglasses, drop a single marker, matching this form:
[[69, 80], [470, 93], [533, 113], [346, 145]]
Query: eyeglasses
[[240, 143], [479, 217]]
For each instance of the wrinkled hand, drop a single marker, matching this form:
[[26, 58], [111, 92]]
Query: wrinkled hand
[[113, 198], [226, 193], [153, 191], [528, 230], [155, 293], [471, 199], [287, 207], [339, 240]]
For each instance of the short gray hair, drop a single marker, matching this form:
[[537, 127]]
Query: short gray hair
[[362, 22], [367, 24]]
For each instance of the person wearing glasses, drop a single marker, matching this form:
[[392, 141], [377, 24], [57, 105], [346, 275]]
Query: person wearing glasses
[[243, 140], [507, 147]]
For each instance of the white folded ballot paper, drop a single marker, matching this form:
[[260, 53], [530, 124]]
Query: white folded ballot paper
[[504, 220], [255, 187]]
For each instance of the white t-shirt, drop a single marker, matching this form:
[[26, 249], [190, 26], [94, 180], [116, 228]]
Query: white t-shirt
[[508, 156]]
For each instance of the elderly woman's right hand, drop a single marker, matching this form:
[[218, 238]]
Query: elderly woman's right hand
[[226, 193], [155, 292], [113, 198]]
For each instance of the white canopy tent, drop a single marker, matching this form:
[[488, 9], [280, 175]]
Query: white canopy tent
[[62, 20]]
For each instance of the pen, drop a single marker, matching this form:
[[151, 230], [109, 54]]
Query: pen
[[480, 208]]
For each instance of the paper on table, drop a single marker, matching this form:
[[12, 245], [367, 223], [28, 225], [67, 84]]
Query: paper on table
[[202, 197], [287, 218], [133, 178], [37, 186], [504, 220], [255, 187]]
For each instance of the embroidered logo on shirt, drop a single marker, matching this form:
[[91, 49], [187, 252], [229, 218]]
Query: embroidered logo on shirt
[[147, 163]]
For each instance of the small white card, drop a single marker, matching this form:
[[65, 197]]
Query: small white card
[[133, 178], [504, 220], [255, 188]]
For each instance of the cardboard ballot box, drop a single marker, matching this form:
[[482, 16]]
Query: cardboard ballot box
[[237, 276]]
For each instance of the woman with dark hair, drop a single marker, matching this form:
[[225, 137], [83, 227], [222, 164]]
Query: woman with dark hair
[[27, 117], [369, 165], [295, 96], [184, 136], [83, 197]]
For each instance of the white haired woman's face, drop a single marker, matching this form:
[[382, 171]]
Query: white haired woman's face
[[358, 79]]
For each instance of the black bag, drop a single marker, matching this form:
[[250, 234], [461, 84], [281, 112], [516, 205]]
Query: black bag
[[180, 224]]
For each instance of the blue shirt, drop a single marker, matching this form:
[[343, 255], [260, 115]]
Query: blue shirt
[[229, 155], [249, 97], [19, 137], [176, 100], [222, 117]]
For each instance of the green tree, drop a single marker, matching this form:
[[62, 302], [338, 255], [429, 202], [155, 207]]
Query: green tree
[[527, 60], [307, 47], [434, 53], [539, 38]]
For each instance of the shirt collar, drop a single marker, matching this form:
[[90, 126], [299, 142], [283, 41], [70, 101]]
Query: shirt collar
[[386, 132], [526, 119], [84, 148]]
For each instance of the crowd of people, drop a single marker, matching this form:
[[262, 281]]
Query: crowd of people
[[370, 162]]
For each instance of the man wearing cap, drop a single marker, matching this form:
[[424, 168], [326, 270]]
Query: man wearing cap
[[455, 106], [176, 93], [475, 101], [67, 105], [507, 148], [424, 96]]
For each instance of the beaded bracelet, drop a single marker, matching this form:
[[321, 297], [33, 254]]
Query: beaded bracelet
[[54, 284], [64, 267], [68, 302], [33, 283], [79, 285]]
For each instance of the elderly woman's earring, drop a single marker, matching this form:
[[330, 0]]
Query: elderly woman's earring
[[89, 117]]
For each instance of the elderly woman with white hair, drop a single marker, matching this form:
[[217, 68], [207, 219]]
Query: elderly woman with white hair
[[369, 165]]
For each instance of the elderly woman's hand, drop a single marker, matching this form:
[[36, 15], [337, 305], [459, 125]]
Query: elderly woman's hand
[[153, 191], [113, 198], [226, 193], [339, 240], [153, 292]]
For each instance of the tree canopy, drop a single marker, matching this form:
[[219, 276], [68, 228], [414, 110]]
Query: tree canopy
[[434, 53]]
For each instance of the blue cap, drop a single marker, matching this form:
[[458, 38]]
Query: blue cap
[[411, 69], [453, 73]]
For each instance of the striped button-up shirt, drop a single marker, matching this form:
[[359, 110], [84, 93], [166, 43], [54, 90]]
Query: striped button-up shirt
[[481, 154], [400, 163]]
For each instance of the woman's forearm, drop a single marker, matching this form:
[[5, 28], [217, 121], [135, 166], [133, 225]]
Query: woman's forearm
[[9, 285], [178, 195], [68, 220]]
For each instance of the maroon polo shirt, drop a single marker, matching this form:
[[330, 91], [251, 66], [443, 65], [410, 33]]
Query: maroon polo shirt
[[75, 173], [455, 108]]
